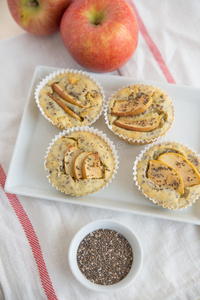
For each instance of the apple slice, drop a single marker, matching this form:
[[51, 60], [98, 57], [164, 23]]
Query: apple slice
[[64, 107], [145, 124], [78, 164], [91, 167], [90, 97], [69, 159], [183, 166], [164, 175], [133, 107], [73, 78], [65, 96]]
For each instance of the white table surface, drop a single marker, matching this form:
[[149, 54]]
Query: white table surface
[[8, 27]]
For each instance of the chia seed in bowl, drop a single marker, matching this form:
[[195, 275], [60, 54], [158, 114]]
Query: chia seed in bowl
[[105, 256]]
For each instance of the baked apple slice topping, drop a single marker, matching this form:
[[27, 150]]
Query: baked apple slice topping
[[81, 164], [73, 78], [63, 106], [78, 174], [163, 175], [183, 166], [139, 124], [91, 167], [57, 89], [138, 105], [69, 159]]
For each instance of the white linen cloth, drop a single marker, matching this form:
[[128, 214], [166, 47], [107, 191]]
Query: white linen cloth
[[35, 233]]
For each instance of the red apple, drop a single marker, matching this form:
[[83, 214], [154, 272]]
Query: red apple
[[41, 17], [101, 35]]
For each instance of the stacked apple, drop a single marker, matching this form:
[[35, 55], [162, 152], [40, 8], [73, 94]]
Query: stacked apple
[[40, 17], [82, 164], [127, 109], [101, 35], [174, 170]]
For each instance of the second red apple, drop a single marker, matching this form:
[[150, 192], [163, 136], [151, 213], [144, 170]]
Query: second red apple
[[40, 17]]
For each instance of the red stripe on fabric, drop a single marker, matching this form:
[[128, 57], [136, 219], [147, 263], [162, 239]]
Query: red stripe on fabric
[[152, 46], [32, 238]]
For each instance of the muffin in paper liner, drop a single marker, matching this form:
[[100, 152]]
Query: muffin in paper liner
[[168, 195], [68, 98], [80, 161], [147, 122]]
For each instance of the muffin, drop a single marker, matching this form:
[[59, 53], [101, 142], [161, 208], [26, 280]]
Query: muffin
[[168, 174], [69, 98], [139, 113], [81, 161]]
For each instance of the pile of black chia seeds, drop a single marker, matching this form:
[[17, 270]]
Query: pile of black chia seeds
[[104, 257]]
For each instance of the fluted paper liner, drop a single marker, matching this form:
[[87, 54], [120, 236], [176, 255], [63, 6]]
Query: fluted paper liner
[[49, 77], [131, 140], [140, 157], [96, 132]]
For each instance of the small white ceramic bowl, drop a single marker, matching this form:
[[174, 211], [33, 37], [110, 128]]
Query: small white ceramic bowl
[[123, 230]]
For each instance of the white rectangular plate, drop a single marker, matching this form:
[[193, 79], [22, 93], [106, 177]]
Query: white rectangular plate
[[27, 176]]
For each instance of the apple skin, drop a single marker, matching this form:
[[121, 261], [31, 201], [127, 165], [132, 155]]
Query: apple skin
[[101, 35], [40, 17]]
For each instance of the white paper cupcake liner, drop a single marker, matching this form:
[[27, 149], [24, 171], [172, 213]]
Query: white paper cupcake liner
[[140, 157], [49, 77], [131, 140], [96, 132]]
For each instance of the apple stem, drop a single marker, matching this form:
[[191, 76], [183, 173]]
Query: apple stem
[[32, 3], [97, 22]]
